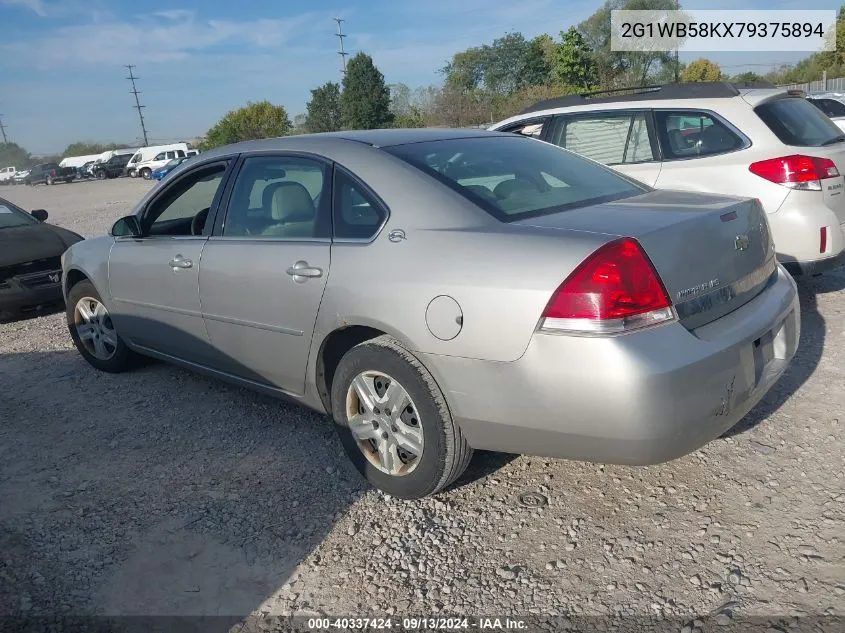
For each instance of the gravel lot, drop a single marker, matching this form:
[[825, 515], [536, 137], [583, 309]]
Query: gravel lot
[[162, 492]]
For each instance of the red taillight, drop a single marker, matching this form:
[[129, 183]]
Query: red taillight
[[614, 290], [796, 171], [823, 239]]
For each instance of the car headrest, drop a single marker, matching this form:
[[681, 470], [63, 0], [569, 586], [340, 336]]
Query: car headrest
[[292, 203]]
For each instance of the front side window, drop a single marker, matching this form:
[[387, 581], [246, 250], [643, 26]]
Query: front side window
[[159, 156], [173, 212], [694, 134], [513, 178], [280, 197], [608, 138], [357, 215]]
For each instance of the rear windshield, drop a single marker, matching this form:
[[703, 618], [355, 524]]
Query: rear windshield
[[796, 121], [513, 177]]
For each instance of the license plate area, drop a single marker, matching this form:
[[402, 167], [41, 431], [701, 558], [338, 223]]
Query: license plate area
[[771, 346]]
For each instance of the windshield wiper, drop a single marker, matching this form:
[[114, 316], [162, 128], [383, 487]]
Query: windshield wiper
[[835, 139]]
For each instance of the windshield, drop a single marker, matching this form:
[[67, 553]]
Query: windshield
[[11, 216], [514, 177], [172, 163], [795, 121]]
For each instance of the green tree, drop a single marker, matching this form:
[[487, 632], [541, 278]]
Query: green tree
[[539, 60], [466, 70], [702, 70], [365, 101], [13, 155], [412, 117], [504, 64], [255, 120], [574, 64], [324, 109], [747, 78], [82, 148]]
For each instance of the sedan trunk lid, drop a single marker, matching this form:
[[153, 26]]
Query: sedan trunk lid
[[713, 253]]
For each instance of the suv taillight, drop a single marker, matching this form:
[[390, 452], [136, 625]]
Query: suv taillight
[[796, 171], [614, 290]]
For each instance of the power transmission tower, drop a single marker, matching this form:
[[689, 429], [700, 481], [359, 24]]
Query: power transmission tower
[[138, 105], [340, 37], [3, 129]]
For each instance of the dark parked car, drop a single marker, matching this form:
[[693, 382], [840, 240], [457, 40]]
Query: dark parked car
[[85, 170], [50, 173], [112, 168], [30, 262]]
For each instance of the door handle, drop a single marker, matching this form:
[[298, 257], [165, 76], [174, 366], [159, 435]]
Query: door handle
[[302, 269], [180, 262]]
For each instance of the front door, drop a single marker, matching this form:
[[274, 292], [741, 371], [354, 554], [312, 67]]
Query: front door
[[265, 268], [154, 279]]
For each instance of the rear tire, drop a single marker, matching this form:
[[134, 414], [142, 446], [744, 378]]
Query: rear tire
[[101, 175], [145, 173], [423, 413], [100, 333], [49, 180]]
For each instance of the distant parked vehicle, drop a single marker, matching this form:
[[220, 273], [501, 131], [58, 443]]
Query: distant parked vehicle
[[161, 172], [50, 174], [78, 161], [146, 169], [112, 168], [20, 177], [85, 170], [143, 156], [192, 152], [833, 107], [7, 175]]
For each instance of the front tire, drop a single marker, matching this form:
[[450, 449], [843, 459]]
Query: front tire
[[93, 332], [145, 173], [394, 423]]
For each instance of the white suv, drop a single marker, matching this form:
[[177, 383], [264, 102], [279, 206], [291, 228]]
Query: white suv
[[763, 143], [146, 168]]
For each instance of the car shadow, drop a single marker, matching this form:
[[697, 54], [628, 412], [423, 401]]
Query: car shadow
[[116, 502], [162, 492], [808, 355]]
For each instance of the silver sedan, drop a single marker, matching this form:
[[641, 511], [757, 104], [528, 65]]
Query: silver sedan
[[436, 291]]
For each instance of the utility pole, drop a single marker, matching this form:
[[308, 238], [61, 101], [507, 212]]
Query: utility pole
[[677, 67], [340, 37], [3, 129], [138, 105]]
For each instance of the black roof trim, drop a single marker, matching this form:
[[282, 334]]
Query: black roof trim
[[692, 90]]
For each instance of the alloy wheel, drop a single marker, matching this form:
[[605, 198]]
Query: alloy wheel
[[94, 328], [384, 422]]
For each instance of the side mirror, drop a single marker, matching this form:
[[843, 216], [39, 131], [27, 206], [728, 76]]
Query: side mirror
[[39, 214], [126, 226]]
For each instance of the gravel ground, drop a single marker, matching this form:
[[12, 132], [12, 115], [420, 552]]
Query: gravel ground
[[163, 492]]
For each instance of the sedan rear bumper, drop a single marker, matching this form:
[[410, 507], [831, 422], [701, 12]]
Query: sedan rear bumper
[[641, 398]]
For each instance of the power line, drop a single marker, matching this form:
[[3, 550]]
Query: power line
[[340, 37], [138, 105]]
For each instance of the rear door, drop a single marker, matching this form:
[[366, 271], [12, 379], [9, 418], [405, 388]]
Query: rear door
[[623, 140], [265, 268]]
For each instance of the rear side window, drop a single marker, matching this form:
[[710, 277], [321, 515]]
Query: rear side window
[[694, 134], [357, 215], [795, 121], [513, 178], [610, 138]]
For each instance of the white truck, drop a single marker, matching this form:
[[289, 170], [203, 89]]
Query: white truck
[[7, 175], [78, 161], [147, 159]]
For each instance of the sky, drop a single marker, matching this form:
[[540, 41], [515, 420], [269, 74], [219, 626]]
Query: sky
[[61, 61]]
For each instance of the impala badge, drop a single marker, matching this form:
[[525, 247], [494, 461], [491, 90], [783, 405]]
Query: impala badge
[[741, 242]]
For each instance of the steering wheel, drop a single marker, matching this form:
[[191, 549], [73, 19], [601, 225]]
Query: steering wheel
[[198, 223]]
